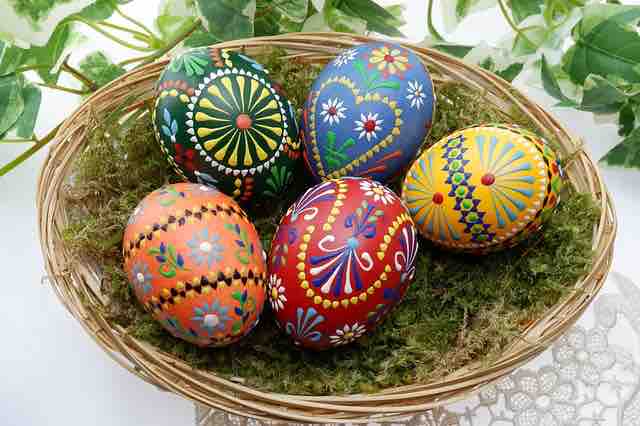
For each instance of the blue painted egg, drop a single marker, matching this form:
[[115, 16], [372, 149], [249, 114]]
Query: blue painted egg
[[368, 113]]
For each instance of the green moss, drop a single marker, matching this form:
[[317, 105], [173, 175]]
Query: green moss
[[458, 310]]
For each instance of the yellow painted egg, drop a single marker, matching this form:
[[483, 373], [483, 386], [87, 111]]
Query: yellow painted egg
[[483, 188]]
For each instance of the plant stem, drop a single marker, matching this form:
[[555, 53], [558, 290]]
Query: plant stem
[[91, 85], [136, 23], [144, 36], [31, 68], [432, 28], [512, 24], [29, 152], [112, 37], [16, 140], [65, 89], [173, 43]]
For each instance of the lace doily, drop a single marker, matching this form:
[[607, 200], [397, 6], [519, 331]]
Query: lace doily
[[589, 377]]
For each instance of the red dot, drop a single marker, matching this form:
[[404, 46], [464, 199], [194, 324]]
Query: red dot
[[370, 126], [438, 198], [488, 179], [389, 58], [243, 122], [333, 111]]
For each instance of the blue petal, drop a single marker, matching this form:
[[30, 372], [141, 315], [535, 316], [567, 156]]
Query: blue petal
[[174, 127], [167, 116], [161, 259]]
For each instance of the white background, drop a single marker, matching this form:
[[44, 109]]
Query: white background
[[51, 373]]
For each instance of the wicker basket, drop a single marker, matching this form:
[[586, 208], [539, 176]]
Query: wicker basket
[[77, 284]]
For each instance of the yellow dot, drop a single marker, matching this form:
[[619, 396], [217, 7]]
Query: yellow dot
[[300, 266], [331, 219], [387, 239], [354, 300], [206, 289], [383, 276], [179, 285], [345, 302], [303, 247], [370, 290], [326, 227], [363, 297], [166, 292], [335, 304], [326, 303], [305, 284], [302, 276], [387, 268], [335, 211], [377, 284], [317, 300], [306, 238], [302, 255], [177, 299], [310, 229], [310, 293]]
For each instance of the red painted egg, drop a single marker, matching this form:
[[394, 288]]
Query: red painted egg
[[341, 259], [196, 262]]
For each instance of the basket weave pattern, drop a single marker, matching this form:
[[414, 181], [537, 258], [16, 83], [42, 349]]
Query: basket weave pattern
[[77, 284]]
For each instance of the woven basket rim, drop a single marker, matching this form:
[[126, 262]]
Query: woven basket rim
[[76, 283]]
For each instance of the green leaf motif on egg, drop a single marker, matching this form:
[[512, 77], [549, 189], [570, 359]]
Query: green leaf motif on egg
[[222, 122]]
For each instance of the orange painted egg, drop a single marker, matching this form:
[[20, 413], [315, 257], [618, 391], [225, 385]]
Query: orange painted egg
[[483, 188], [195, 261], [341, 260]]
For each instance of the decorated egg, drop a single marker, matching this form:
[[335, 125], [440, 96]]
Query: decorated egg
[[341, 259], [222, 122], [483, 188], [195, 262], [368, 113]]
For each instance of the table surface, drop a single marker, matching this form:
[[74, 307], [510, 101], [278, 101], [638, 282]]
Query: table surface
[[52, 373]]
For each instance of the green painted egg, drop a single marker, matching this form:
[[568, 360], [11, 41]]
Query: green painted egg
[[221, 121]]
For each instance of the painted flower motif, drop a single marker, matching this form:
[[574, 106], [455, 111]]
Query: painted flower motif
[[173, 324], [416, 94], [581, 354], [141, 278], [170, 126], [227, 58], [345, 57], [186, 157], [193, 62], [212, 317], [205, 247], [347, 334], [368, 126], [306, 322], [276, 293], [333, 111], [389, 61], [542, 399], [377, 191]]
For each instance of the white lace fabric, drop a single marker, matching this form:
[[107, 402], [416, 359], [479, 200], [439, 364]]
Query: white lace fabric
[[584, 379]]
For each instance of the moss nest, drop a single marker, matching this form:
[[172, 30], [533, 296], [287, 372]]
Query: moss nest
[[458, 310]]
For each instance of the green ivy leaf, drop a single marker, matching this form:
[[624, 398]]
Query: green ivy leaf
[[378, 19], [457, 50], [625, 154], [601, 96], [455, 11], [10, 59], [316, 22], [550, 84], [174, 17], [99, 11], [32, 98], [511, 72], [530, 39], [280, 16], [606, 44], [340, 21], [521, 9], [228, 19], [200, 37], [626, 119], [12, 104], [99, 68]]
